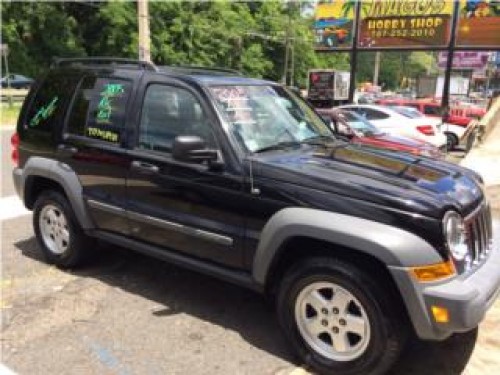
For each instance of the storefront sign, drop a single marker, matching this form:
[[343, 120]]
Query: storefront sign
[[479, 24], [465, 60], [405, 23], [334, 25]]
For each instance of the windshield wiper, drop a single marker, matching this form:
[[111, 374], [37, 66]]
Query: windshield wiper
[[319, 140], [278, 146]]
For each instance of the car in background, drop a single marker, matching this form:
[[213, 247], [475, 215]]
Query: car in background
[[453, 132], [390, 121], [16, 81], [358, 130], [454, 123]]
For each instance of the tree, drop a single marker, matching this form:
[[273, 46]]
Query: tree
[[36, 32]]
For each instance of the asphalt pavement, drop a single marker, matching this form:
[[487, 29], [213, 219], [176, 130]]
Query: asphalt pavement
[[129, 314]]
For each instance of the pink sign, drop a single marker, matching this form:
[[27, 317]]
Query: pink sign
[[464, 60]]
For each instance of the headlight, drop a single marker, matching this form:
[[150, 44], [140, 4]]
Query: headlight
[[455, 235]]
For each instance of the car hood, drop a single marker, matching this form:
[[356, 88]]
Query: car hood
[[396, 180]]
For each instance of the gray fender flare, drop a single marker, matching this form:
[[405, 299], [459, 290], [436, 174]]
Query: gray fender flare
[[391, 245], [66, 177]]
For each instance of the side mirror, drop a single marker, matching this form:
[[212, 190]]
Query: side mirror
[[192, 149]]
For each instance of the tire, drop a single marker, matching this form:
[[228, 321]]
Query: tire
[[369, 339], [59, 236], [451, 141]]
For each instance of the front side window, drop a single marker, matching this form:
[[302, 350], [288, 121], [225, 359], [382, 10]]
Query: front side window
[[49, 102], [99, 108], [262, 116], [169, 112]]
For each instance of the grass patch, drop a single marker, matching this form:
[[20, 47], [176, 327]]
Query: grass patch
[[9, 114]]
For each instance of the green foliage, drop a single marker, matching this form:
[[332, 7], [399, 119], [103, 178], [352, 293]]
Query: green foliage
[[36, 31], [395, 66]]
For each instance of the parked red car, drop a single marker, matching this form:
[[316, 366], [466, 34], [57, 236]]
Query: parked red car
[[358, 130]]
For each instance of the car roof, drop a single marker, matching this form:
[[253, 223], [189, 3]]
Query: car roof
[[204, 76], [217, 79], [381, 108]]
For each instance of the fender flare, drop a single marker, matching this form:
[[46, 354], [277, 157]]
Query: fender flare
[[391, 245], [66, 177]]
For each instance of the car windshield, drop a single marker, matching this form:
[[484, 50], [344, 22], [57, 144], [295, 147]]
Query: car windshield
[[265, 116], [359, 124], [408, 111]]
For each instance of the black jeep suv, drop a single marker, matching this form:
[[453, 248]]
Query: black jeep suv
[[240, 179]]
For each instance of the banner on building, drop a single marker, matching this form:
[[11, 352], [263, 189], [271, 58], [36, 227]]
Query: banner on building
[[465, 60], [479, 24]]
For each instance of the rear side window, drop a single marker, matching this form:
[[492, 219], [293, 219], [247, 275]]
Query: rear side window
[[99, 108], [432, 110], [371, 114], [49, 102]]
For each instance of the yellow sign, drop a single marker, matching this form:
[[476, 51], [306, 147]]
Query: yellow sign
[[405, 23], [334, 24]]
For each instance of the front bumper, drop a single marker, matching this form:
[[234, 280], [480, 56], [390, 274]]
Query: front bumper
[[466, 297]]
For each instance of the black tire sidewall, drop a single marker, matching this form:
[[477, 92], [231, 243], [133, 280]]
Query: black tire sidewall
[[454, 141], [381, 350], [74, 253]]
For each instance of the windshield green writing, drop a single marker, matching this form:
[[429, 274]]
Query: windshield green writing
[[44, 113], [105, 108]]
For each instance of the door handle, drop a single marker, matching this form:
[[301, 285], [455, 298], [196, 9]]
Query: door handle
[[143, 167], [67, 150]]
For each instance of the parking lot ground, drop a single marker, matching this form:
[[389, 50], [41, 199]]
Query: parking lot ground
[[129, 314]]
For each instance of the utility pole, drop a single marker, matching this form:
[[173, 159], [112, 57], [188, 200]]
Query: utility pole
[[287, 48], [287, 44], [143, 22], [376, 69]]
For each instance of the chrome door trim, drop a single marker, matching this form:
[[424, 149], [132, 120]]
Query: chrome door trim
[[190, 231]]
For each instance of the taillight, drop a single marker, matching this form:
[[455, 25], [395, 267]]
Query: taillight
[[426, 129], [14, 141]]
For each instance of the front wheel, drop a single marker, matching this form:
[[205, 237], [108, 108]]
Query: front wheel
[[451, 141], [338, 320]]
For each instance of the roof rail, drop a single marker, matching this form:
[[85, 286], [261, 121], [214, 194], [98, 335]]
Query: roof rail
[[198, 68], [146, 65]]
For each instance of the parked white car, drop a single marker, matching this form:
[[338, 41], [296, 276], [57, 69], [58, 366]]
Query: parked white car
[[453, 132], [393, 122]]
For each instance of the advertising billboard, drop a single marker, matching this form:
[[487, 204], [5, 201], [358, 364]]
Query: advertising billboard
[[405, 23], [479, 24], [465, 60], [334, 25]]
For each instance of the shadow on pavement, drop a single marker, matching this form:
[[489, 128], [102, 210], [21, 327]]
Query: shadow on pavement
[[179, 291], [182, 291], [447, 357]]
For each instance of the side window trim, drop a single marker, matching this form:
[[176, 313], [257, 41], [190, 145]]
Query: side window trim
[[71, 103]]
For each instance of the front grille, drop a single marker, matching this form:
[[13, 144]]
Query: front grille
[[479, 233]]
